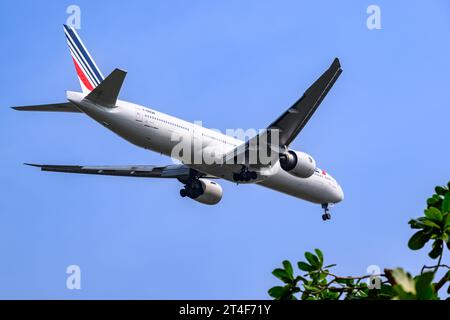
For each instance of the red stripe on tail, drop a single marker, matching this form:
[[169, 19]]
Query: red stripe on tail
[[82, 76]]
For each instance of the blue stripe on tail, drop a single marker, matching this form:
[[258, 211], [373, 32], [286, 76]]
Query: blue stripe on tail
[[83, 52], [82, 62]]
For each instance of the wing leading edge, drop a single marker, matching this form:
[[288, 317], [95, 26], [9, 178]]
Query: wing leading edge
[[143, 171], [294, 119]]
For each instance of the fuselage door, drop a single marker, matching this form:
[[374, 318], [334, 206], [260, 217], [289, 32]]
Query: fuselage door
[[139, 114]]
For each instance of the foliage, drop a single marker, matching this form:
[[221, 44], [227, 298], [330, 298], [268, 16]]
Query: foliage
[[317, 282], [434, 225]]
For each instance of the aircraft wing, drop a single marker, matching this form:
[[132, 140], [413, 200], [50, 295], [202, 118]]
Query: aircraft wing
[[55, 107], [294, 119], [180, 172]]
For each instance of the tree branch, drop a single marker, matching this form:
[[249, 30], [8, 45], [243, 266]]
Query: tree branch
[[441, 282], [436, 267]]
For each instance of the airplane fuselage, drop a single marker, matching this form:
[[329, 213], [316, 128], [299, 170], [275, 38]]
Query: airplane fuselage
[[155, 131]]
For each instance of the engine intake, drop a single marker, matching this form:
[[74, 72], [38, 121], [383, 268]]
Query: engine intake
[[299, 164], [204, 191]]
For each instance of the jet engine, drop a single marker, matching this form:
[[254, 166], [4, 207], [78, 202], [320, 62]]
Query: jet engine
[[203, 190], [299, 164]]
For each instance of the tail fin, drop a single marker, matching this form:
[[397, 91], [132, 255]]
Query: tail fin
[[88, 73]]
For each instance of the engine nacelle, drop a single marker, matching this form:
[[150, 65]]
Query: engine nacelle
[[299, 164], [211, 192]]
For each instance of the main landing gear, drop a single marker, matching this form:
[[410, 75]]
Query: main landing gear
[[326, 216], [245, 175]]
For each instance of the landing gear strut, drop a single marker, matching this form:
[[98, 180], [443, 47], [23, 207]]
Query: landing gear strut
[[326, 216], [245, 175]]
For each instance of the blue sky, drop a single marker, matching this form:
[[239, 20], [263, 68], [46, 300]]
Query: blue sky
[[382, 132]]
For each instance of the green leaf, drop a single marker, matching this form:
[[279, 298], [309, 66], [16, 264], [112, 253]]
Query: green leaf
[[330, 266], [446, 203], [423, 286], [432, 201], [433, 214], [437, 249], [313, 260], [350, 282], [300, 278], [288, 267], [387, 290], [362, 285], [417, 223], [341, 280], [431, 224], [304, 266], [277, 292], [440, 191], [315, 276], [282, 275], [310, 288], [319, 255], [402, 294], [418, 240], [304, 296], [329, 295], [447, 222]]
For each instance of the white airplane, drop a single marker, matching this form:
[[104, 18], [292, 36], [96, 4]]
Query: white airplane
[[289, 171]]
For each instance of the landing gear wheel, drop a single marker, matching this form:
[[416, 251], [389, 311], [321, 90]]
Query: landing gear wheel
[[326, 216], [183, 193], [245, 175]]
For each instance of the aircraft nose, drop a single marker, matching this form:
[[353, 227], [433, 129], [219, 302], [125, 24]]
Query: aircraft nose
[[339, 194]]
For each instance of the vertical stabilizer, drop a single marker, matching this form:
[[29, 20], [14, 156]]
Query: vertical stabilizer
[[88, 73]]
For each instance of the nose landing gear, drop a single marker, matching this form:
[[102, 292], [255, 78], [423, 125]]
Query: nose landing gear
[[326, 216]]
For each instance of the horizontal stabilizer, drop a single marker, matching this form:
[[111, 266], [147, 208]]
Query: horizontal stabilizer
[[56, 107], [107, 92]]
